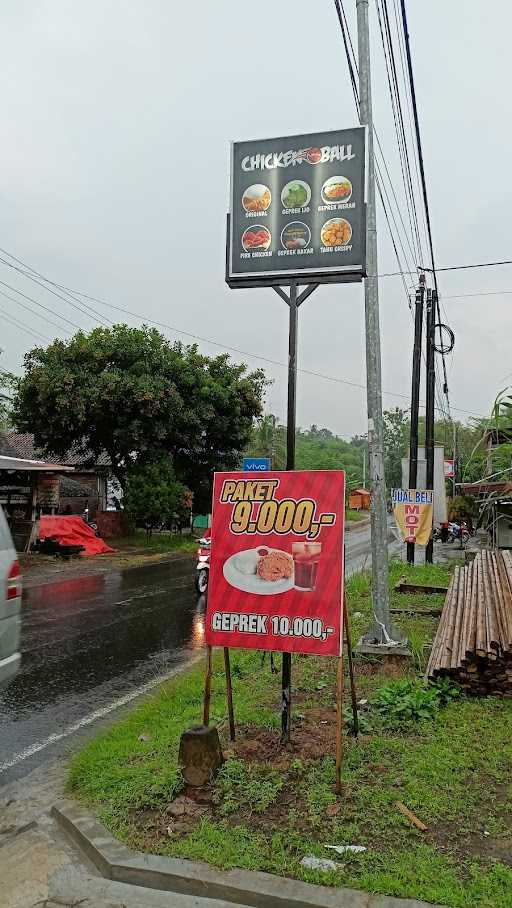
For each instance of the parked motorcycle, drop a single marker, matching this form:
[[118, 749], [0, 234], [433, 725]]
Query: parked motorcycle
[[459, 531], [451, 531], [203, 563], [85, 517]]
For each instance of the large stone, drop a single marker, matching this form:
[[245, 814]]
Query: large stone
[[200, 755]]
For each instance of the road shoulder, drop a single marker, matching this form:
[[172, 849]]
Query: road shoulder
[[38, 570]]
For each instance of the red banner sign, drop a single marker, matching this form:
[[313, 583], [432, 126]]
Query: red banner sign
[[276, 575], [449, 469]]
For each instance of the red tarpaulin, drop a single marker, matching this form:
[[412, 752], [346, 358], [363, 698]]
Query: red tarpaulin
[[72, 531]]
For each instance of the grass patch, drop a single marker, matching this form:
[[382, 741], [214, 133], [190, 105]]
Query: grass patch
[[157, 543], [447, 758], [244, 787], [354, 516]]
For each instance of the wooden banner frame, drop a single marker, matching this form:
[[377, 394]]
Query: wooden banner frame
[[339, 695]]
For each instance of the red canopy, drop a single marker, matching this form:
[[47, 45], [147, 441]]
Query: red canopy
[[72, 531]]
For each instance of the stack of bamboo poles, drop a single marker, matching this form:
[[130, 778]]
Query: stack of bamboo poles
[[473, 644]]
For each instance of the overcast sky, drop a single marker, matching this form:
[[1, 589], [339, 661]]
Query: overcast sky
[[116, 123]]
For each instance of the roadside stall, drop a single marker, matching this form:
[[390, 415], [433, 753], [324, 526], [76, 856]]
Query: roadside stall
[[28, 488]]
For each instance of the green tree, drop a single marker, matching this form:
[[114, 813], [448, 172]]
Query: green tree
[[396, 441], [268, 439], [7, 387], [138, 397], [152, 492]]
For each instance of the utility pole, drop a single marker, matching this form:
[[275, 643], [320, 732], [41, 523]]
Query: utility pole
[[286, 671], [415, 397], [454, 455], [429, 409], [381, 632]]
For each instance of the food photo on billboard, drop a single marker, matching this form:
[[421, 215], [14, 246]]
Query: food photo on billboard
[[276, 576]]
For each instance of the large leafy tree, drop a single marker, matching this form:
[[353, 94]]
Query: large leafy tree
[[131, 393], [396, 441], [152, 492]]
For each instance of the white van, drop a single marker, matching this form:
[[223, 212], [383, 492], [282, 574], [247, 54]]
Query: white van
[[10, 605]]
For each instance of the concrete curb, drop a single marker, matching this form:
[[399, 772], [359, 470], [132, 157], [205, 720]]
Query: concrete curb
[[247, 888]]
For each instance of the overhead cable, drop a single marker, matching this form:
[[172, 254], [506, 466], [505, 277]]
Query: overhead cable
[[80, 308], [139, 317], [41, 306], [423, 178]]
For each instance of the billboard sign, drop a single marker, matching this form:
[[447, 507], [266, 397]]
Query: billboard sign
[[413, 510], [449, 469], [276, 575], [297, 208], [256, 464]]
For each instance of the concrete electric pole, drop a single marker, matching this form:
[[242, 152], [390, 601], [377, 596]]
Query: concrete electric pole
[[381, 633]]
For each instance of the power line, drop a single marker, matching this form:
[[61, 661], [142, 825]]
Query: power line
[[41, 306], [401, 138], [466, 267], [449, 268], [32, 311], [381, 185], [460, 296], [58, 295], [401, 50], [238, 350], [418, 134], [22, 326], [241, 352], [396, 108], [423, 179]]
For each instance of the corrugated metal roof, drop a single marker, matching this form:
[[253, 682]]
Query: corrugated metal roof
[[41, 466], [485, 488], [21, 444]]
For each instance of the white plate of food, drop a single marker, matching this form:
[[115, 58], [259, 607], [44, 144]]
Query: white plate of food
[[257, 197], [264, 571], [336, 189], [256, 237], [296, 194], [336, 232]]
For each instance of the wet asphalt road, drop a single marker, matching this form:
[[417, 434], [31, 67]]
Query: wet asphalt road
[[87, 643], [91, 644]]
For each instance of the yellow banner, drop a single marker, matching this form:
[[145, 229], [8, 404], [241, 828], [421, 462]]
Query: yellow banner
[[414, 512]]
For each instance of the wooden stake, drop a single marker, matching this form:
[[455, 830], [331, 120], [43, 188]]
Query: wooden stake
[[410, 816], [229, 693], [207, 686], [355, 716], [339, 723]]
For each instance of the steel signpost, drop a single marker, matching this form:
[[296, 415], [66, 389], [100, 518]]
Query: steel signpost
[[297, 217]]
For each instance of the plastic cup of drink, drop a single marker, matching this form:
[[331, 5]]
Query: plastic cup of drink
[[306, 556]]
